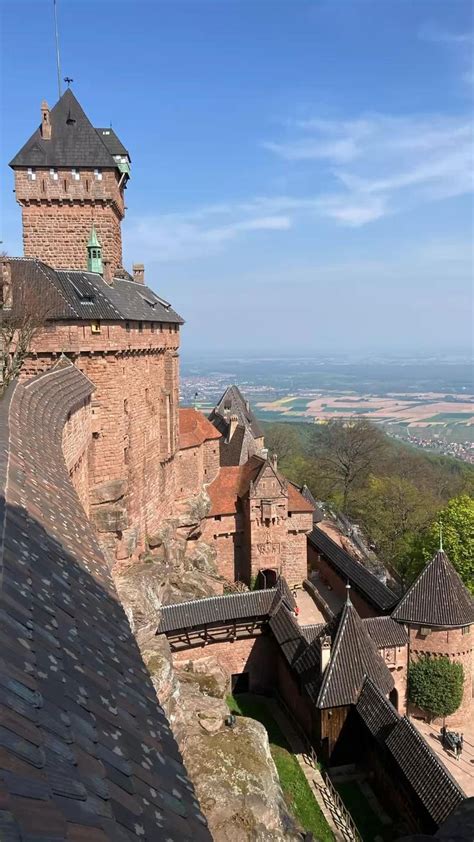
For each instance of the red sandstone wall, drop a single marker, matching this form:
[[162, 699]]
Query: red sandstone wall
[[296, 701], [226, 535], [189, 471], [338, 585], [77, 437], [296, 561], [458, 647], [257, 656], [211, 460], [58, 216], [134, 422]]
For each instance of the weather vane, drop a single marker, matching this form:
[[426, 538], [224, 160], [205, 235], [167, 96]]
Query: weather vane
[[68, 80]]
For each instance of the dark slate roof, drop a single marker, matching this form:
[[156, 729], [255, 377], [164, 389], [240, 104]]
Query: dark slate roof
[[85, 749], [318, 514], [437, 597], [361, 579], [435, 787], [216, 609], [73, 294], [287, 633], [378, 714], [385, 632], [74, 141], [312, 631], [112, 142], [233, 402], [353, 656]]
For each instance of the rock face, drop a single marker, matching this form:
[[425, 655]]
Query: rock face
[[232, 769]]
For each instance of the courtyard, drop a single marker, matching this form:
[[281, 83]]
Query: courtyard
[[462, 770]]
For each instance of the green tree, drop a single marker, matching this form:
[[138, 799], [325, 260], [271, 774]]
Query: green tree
[[457, 521], [392, 511], [346, 452], [282, 441], [436, 685]]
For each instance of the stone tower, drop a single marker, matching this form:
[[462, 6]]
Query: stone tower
[[69, 180], [439, 612]]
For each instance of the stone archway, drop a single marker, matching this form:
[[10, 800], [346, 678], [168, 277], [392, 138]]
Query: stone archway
[[268, 577]]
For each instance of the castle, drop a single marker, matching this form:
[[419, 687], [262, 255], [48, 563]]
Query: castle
[[98, 456], [128, 463]]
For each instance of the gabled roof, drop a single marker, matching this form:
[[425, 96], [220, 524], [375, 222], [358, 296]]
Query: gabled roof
[[437, 597], [361, 579], [287, 633], [86, 752], [378, 714], [216, 609], [74, 294], [112, 142], [194, 428], [233, 402], [353, 656], [385, 632], [434, 786], [74, 141]]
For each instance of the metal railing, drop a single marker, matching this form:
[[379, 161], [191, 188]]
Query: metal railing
[[341, 816]]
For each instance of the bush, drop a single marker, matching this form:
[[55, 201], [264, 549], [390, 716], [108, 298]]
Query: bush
[[436, 685]]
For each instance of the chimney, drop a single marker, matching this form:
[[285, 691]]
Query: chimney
[[139, 273], [45, 121], [5, 284], [233, 423], [108, 274], [274, 461], [325, 652]]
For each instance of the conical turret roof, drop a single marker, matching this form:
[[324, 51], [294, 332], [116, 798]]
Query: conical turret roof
[[354, 655], [437, 597], [74, 141]]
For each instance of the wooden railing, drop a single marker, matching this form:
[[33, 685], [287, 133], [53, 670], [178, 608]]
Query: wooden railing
[[334, 802]]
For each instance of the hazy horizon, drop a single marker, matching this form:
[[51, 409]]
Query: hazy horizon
[[301, 172]]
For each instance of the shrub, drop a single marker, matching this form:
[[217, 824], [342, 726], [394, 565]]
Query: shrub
[[436, 685]]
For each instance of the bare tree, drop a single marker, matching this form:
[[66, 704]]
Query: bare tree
[[23, 312], [346, 452]]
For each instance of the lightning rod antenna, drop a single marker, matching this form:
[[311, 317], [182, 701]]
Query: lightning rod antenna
[[58, 60]]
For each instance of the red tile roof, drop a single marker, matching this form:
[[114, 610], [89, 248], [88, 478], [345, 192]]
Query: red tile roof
[[195, 429], [234, 482], [296, 501]]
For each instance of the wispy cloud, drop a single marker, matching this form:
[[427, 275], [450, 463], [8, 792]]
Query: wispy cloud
[[372, 166], [200, 232], [461, 43], [397, 161]]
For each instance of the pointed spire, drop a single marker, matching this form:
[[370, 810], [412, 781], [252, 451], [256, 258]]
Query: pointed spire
[[94, 253], [348, 594], [441, 536]]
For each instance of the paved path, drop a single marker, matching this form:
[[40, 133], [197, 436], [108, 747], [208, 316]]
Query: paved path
[[309, 612], [463, 769], [311, 773]]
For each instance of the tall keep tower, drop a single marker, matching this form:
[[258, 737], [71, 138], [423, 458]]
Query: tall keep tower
[[70, 178]]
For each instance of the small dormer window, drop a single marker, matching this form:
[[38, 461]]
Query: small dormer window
[[98, 175], [53, 174], [75, 174], [31, 174]]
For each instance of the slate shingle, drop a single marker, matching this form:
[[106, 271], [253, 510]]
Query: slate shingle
[[437, 597], [80, 725]]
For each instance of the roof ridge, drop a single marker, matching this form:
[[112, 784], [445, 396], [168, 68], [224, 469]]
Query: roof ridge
[[217, 596]]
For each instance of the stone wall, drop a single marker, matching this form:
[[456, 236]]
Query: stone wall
[[257, 656], [337, 584], [458, 647], [77, 437], [58, 214], [225, 533], [195, 467], [134, 423]]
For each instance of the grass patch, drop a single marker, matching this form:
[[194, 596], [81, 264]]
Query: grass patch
[[299, 798]]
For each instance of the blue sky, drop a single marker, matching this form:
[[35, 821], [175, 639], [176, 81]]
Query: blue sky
[[301, 170]]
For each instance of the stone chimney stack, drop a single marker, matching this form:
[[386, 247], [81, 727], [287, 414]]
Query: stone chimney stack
[[108, 272], [274, 461], [233, 423], [139, 273], [325, 652], [45, 121]]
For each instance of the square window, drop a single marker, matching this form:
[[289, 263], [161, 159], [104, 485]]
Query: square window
[[31, 174]]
